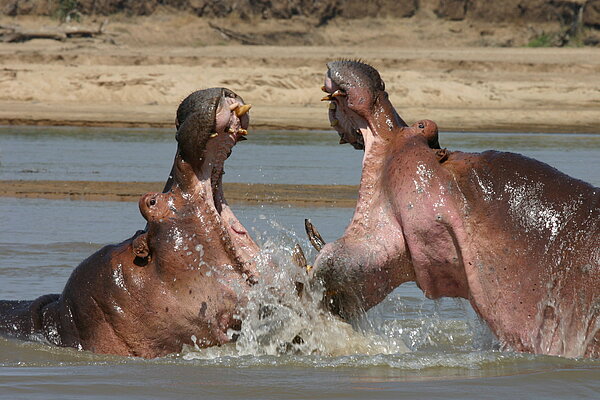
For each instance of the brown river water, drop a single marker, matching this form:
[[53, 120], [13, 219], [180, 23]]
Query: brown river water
[[407, 347]]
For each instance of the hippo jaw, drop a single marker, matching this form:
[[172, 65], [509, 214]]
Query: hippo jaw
[[204, 277], [359, 108], [199, 167], [372, 257], [194, 245], [210, 123], [199, 256]]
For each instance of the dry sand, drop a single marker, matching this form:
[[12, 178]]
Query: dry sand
[[138, 72]]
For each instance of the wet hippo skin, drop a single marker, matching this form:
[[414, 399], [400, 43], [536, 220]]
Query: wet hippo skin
[[517, 238], [179, 280]]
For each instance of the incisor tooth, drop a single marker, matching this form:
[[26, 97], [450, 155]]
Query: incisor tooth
[[230, 130], [241, 110], [323, 88], [338, 93], [242, 131], [327, 98], [212, 135]]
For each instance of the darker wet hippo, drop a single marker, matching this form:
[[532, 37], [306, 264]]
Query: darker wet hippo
[[178, 281], [517, 238]]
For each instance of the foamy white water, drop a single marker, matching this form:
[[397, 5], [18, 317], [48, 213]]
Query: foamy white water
[[281, 320]]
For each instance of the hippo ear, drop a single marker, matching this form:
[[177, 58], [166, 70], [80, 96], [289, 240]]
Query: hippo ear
[[140, 246]]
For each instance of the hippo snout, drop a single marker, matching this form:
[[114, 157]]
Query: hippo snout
[[336, 271], [359, 274]]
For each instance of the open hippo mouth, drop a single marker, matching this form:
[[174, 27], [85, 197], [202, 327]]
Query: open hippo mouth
[[199, 249], [352, 89], [209, 123]]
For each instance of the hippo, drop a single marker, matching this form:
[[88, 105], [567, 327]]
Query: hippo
[[515, 237], [178, 281]]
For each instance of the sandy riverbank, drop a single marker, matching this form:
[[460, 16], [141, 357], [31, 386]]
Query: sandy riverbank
[[132, 80], [237, 193]]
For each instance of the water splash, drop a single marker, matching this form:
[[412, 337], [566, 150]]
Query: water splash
[[284, 316]]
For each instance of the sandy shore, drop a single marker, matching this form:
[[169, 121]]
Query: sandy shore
[[134, 83], [236, 193]]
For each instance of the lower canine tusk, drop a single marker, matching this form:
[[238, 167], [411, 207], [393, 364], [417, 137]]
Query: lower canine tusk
[[298, 256], [242, 110], [313, 235]]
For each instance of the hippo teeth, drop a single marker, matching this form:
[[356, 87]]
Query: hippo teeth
[[242, 110], [338, 93], [313, 235]]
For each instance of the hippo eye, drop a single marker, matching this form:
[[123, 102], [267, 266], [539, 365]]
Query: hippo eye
[[152, 202]]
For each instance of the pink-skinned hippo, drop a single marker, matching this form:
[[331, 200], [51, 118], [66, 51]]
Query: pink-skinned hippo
[[517, 238], [178, 281]]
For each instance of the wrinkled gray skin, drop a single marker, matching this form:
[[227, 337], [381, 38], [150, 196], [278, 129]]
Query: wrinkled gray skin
[[517, 238], [183, 276]]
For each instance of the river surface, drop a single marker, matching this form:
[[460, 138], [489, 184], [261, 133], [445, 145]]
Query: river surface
[[452, 354], [105, 154]]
